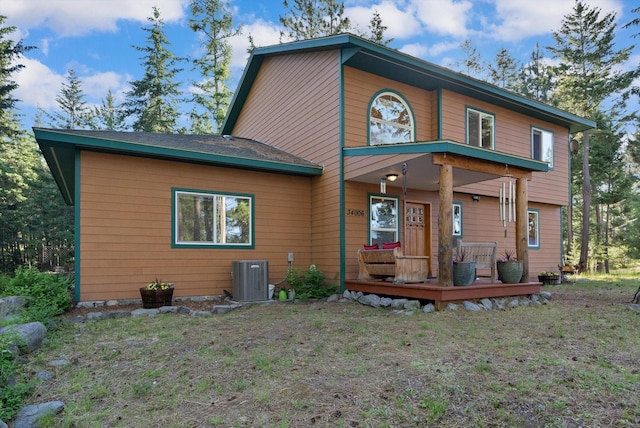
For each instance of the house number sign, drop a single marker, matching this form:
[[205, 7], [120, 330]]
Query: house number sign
[[355, 213]]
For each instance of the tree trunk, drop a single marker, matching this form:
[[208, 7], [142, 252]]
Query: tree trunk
[[586, 208]]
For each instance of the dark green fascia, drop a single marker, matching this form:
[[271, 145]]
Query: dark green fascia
[[59, 151], [448, 147]]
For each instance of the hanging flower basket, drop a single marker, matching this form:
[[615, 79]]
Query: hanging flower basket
[[156, 294]]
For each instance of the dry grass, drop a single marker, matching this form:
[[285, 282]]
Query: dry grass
[[572, 363]]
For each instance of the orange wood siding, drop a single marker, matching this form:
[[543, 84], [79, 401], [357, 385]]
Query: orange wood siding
[[512, 136], [125, 226], [360, 87], [295, 105]]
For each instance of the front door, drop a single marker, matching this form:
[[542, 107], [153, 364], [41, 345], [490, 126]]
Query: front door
[[417, 230]]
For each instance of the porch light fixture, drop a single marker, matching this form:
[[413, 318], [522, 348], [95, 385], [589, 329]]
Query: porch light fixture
[[391, 177], [475, 198]]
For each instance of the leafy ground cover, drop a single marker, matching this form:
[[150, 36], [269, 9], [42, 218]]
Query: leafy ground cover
[[571, 363]]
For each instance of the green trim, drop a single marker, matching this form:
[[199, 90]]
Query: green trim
[[448, 147], [76, 228], [393, 64], [407, 104], [208, 245], [342, 202], [534, 247], [553, 145], [439, 113]]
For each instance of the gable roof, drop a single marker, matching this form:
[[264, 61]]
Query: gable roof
[[376, 59], [59, 148]]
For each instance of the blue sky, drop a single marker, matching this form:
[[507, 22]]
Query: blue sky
[[95, 37]]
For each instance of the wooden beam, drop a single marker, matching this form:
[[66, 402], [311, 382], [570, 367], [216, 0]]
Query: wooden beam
[[522, 226], [445, 227], [478, 165]]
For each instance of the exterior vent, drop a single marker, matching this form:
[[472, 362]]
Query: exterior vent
[[250, 280]]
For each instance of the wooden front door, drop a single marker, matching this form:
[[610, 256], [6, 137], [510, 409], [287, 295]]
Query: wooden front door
[[417, 230]]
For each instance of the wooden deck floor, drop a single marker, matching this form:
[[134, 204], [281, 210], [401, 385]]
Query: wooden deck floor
[[481, 288]]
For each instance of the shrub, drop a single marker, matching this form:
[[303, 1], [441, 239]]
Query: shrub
[[310, 284], [48, 295], [13, 387]]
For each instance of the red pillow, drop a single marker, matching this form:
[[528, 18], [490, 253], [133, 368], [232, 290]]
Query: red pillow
[[390, 246], [371, 247]]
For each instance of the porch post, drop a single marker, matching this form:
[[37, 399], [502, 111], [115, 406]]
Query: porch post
[[445, 226], [522, 226]]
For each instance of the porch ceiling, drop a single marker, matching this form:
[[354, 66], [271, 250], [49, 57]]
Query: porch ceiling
[[470, 164]]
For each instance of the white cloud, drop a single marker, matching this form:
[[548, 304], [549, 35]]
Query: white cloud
[[264, 34], [444, 17], [399, 19], [39, 84], [75, 18]]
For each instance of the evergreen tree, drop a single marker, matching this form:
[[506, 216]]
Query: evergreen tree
[[109, 115], [536, 78], [152, 101], [308, 19], [588, 74], [471, 64], [213, 21], [377, 30], [504, 71], [9, 52], [74, 112]]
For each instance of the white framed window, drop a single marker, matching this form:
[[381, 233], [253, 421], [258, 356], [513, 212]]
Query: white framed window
[[211, 219], [383, 219], [534, 228], [390, 120], [457, 219], [542, 145], [480, 129]]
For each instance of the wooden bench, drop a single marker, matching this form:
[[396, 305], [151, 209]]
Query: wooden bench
[[483, 253], [383, 264]]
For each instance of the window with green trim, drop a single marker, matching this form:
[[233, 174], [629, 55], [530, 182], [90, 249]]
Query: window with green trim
[[480, 129], [212, 219], [542, 145], [534, 228], [390, 120], [383, 219]]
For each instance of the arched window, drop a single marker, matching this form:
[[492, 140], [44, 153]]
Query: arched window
[[390, 120]]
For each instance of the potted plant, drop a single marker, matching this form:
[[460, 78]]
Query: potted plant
[[509, 268], [548, 277], [464, 270], [156, 294]]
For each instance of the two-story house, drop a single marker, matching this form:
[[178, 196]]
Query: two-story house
[[329, 144]]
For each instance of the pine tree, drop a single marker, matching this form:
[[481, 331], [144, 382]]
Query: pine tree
[[152, 101], [213, 21], [10, 51], [536, 77], [588, 74], [74, 112], [471, 63], [109, 115], [504, 71], [377, 30], [308, 19]]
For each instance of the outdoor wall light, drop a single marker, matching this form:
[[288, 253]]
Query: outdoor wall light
[[391, 177], [475, 198]]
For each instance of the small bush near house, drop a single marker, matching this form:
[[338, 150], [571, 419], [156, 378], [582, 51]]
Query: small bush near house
[[13, 387], [47, 295], [310, 284]]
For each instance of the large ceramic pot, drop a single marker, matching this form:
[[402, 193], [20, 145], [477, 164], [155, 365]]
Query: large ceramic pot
[[464, 273], [510, 272]]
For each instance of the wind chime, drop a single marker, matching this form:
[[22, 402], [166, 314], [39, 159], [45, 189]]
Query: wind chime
[[507, 203]]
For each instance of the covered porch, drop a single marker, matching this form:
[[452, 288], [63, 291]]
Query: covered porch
[[442, 166]]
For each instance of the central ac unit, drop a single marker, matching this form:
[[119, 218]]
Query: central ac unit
[[250, 280]]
